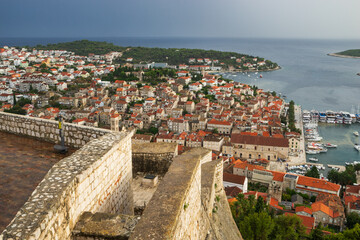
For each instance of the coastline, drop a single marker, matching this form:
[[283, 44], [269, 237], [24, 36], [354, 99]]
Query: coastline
[[241, 71], [341, 56]]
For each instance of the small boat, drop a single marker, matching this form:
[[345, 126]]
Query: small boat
[[329, 145], [357, 147], [261, 76], [312, 152], [313, 159], [356, 133]]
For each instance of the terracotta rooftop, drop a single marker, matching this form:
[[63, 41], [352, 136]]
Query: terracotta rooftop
[[303, 209], [355, 189], [259, 140], [317, 183], [228, 177]]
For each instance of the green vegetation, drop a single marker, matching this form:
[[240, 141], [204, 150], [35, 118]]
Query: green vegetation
[[17, 108], [83, 47], [257, 187], [256, 220], [151, 130], [291, 117], [288, 193], [347, 177], [350, 53], [313, 172], [173, 56], [352, 219], [122, 73]]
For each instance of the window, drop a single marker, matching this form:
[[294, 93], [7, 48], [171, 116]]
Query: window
[[241, 155], [259, 156], [269, 158], [255, 147], [249, 155], [274, 156]]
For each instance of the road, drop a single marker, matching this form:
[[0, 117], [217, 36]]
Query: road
[[301, 156]]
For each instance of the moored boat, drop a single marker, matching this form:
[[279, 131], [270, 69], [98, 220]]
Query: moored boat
[[313, 159]]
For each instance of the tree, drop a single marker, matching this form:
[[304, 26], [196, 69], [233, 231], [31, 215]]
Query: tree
[[14, 98], [288, 227], [333, 176], [317, 233], [313, 172], [260, 205], [256, 226], [352, 219]]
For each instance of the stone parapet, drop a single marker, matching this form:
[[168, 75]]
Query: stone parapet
[[97, 177], [154, 158], [175, 210], [104, 226], [47, 130]]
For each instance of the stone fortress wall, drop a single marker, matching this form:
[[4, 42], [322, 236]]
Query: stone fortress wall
[[47, 130], [189, 203], [96, 178]]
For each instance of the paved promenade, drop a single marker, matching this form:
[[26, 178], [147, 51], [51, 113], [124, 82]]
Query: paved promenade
[[300, 158]]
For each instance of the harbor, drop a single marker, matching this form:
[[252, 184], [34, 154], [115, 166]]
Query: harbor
[[332, 138]]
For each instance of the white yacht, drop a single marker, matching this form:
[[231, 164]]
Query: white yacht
[[357, 147], [313, 159], [356, 133]]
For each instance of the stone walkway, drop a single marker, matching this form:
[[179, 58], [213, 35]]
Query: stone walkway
[[23, 164]]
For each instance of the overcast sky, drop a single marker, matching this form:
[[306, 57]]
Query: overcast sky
[[181, 18]]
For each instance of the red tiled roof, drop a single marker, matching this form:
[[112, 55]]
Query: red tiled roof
[[275, 203], [228, 177], [251, 167], [317, 183], [213, 121], [353, 189], [232, 191], [303, 209], [259, 140], [319, 206]]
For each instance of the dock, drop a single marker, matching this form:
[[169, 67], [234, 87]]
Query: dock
[[341, 168]]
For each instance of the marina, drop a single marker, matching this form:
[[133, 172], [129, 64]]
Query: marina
[[332, 138]]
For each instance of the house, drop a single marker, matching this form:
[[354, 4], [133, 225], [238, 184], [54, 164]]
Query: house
[[232, 180], [141, 138], [232, 192], [314, 186], [256, 147], [178, 125], [223, 127], [213, 142], [304, 211], [297, 199]]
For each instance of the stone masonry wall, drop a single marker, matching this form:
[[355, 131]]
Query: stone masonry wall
[[154, 158], [175, 210], [47, 130], [96, 178]]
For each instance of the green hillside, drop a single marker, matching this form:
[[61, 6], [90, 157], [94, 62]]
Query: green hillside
[[83, 47], [351, 53]]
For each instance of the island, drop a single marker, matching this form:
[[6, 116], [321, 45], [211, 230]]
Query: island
[[199, 59], [352, 53]]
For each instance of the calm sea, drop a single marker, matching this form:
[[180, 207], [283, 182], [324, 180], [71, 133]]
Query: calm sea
[[308, 76]]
